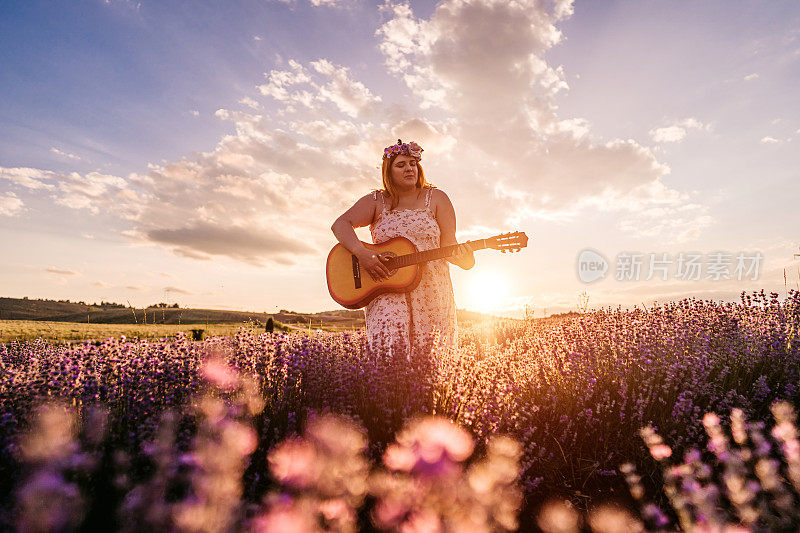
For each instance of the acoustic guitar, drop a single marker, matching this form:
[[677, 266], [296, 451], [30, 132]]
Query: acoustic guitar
[[352, 290]]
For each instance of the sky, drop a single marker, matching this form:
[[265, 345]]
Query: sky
[[198, 152]]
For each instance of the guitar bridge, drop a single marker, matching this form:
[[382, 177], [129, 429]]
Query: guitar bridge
[[356, 272]]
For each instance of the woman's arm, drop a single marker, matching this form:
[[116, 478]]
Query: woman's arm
[[446, 217], [361, 214]]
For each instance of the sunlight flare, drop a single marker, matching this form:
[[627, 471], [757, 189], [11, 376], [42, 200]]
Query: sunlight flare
[[487, 292]]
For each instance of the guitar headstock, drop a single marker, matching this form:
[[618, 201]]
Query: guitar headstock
[[508, 242]]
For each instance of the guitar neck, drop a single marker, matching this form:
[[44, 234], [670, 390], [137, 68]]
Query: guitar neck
[[432, 255]]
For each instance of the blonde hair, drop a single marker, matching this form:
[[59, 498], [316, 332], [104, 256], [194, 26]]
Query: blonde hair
[[388, 184]]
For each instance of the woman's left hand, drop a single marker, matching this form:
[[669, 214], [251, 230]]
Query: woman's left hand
[[463, 256], [464, 250]]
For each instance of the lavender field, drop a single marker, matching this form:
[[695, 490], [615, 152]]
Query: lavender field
[[290, 432]]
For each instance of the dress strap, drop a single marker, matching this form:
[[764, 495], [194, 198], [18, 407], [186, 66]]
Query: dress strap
[[428, 198], [383, 204]]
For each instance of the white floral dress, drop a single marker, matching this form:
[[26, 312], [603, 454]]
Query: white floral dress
[[425, 317]]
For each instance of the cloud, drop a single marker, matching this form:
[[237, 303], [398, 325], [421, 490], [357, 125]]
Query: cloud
[[350, 96], [102, 284], [129, 4], [323, 82], [675, 132], [280, 82], [61, 272], [240, 199], [65, 154], [249, 102], [92, 191], [245, 244], [281, 172], [316, 3], [29, 178], [770, 140], [10, 205], [135, 288], [669, 134], [484, 63], [195, 112], [751, 77], [177, 290]]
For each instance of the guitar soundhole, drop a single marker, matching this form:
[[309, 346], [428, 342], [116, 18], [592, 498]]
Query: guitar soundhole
[[391, 255]]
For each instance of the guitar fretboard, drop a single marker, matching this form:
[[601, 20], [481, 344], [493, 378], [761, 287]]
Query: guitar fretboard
[[432, 255]]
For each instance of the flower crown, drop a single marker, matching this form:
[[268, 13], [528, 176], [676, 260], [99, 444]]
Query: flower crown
[[412, 149]]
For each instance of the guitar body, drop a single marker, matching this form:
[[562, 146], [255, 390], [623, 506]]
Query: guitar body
[[352, 287]]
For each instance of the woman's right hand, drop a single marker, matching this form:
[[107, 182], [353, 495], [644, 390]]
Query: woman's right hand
[[371, 262]]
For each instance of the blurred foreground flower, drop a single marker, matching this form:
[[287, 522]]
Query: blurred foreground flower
[[46, 501], [558, 517], [742, 490], [612, 519], [211, 470], [429, 488], [323, 475]]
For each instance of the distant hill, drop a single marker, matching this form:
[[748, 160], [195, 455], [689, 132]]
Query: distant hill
[[109, 313], [64, 311]]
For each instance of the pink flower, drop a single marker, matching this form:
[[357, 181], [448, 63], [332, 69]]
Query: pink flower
[[241, 438], [660, 452], [336, 509], [424, 522], [399, 458], [710, 420], [559, 517], [389, 512], [216, 372], [433, 446], [439, 436], [293, 463], [286, 519]]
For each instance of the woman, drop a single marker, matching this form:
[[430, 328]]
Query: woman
[[407, 206]]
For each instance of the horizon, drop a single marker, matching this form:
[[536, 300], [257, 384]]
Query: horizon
[[172, 305], [198, 154]]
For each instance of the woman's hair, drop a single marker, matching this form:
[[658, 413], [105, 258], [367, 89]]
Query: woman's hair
[[388, 184]]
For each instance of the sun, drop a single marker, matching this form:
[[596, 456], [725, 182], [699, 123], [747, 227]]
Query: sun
[[486, 292]]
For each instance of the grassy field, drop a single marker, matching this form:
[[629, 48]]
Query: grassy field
[[60, 331], [27, 330], [23, 319], [23, 330]]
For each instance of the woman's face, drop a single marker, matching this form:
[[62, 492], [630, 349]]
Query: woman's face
[[404, 172]]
